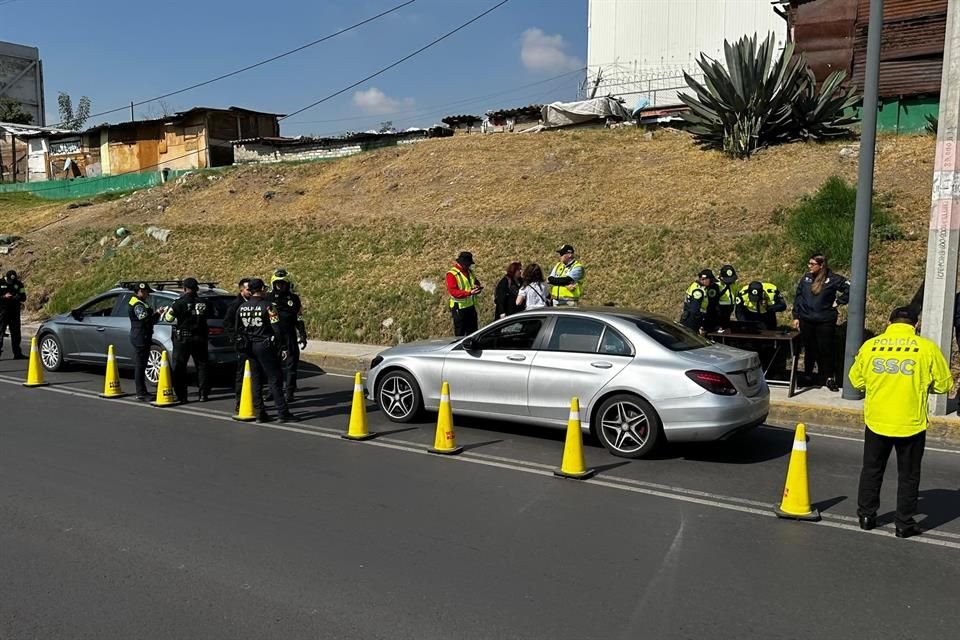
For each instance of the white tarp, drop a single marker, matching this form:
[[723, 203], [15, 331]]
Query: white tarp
[[561, 114]]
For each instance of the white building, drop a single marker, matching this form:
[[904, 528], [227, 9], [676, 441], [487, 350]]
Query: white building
[[640, 48], [21, 78]]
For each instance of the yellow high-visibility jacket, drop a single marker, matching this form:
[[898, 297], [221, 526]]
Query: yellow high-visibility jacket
[[898, 369]]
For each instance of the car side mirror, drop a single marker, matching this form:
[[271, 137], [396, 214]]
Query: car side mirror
[[76, 314], [471, 344]]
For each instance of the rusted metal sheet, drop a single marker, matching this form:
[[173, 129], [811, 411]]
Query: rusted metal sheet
[[894, 10], [824, 32], [905, 77]]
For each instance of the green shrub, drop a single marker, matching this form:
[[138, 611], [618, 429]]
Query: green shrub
[[823, 222]]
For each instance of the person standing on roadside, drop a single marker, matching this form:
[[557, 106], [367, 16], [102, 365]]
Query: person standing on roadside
[[533, 294], [567, 278], [505, 295], [142, 319], [230, 321], [815, 314], [259, 324], [700, 308], [463, 287], [292, 329], [12, 296], [898, 370], [190, 314]]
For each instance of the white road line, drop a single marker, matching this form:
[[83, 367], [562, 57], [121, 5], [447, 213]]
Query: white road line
[[851, 439], [678, 494]]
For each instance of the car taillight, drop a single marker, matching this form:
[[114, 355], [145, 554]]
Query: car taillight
[[713, 382], [215, 331]]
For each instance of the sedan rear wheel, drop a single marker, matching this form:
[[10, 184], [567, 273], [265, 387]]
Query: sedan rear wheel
[[627, 426], [398, 395], [51, 353], [153, 364]]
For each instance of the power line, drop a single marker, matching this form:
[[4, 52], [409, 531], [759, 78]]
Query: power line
[[398, 62], [251, 66]]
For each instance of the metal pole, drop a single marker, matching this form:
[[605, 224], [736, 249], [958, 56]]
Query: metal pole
[[943, 241], [861, 225]]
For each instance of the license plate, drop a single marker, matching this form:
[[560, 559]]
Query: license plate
[[752, 377]]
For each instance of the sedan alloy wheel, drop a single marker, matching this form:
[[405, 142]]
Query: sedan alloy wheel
[[627, 426]]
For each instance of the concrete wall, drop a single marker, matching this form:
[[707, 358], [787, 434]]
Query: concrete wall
[[246, 153], [21, 76]]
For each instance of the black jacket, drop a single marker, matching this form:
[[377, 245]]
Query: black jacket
[[190, 313], [813, 308], [505, 298], [230, 317]]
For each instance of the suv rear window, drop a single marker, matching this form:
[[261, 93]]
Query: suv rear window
[[671, 335], [218, 305]]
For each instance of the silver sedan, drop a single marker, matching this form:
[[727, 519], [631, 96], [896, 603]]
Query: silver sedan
[[639, 378]]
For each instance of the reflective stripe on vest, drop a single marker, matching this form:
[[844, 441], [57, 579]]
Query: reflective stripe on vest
[[769, 298], [465, 282], [705, 296], [561, 292]]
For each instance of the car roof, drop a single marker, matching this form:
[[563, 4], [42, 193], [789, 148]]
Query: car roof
[[622, 313], [174, 293]]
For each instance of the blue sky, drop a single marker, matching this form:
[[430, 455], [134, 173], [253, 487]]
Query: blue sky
[[115, 52]]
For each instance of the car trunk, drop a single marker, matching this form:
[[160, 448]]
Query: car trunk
[[741, 367]]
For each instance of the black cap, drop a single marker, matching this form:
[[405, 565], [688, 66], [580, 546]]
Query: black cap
[[256, 284], [728, 275], [11, 273], [567, 248], [143, 286], [706, 273], [905, 313], [755, 291], [191, 283], [465, 258]]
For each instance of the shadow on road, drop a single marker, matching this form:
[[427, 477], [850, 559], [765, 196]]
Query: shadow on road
[[826, 505], [941, 506], [752, 447]]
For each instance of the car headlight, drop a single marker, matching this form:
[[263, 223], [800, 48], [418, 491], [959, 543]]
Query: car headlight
[[376, 362]]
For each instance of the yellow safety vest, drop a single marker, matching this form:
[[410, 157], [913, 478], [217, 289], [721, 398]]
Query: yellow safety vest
[[769, 298], [705, 295], [465, 282], [561, 292], [898, 369]]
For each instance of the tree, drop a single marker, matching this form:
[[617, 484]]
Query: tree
[[12, 111], [386, 127], [70, 119]]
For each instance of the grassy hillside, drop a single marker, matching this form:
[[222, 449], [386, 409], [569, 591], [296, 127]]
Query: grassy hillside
[[367, 236]]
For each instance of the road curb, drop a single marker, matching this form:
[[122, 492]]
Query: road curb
[[337, 362]]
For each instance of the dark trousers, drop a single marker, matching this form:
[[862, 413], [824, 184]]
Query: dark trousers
[[876, 452], [724, 312], [265, 366], [291, 363], [465, 321], [818, 347], [238, 377], [141, 355], [195, 348], [10, 320]]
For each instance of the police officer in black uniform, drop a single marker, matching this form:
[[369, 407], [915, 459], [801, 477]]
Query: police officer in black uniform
[[12, 296], [293, 332], [259, 325], [142, 319], [230, 326], [190, 313]]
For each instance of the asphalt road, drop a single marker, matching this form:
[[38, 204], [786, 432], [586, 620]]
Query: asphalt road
[[119, 520]]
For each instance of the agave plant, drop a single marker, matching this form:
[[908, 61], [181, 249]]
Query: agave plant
[[760, 99], [932, 123]]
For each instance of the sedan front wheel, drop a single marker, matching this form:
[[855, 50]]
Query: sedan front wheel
[[627, 426], [398, 396]]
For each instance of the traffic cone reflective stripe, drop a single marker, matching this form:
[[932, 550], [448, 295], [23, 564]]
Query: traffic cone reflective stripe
[[111, 382], [357, 429], [573, 465], [796, 493], [166, 397], [34, 369], [445, 442], [247, 412]]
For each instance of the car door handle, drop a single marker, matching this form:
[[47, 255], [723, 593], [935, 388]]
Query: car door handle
[[601, 365], [517, 357], [101, 328]]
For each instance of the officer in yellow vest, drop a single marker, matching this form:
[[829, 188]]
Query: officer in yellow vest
[[463, 287], [727, 299], [760, 302], [567, 278], [897, 369], [700, 305]]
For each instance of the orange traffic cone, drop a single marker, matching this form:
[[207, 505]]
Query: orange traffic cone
[[572, 466], [796, 494], [445, 442], [357, 429], [111, 382], [34, 369]]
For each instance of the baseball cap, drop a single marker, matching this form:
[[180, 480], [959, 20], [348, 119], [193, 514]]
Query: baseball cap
[[465, 258], [728, 275], [905, 313], [567, 248], [755, 290], [191, 283], [706, 273], [256, 284], [144, 286]]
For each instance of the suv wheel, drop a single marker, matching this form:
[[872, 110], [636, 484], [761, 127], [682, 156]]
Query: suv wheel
[[51, 352], [153, 364]]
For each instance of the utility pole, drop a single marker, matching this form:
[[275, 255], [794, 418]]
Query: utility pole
[[132, 118], [940, 285], [861, 226]]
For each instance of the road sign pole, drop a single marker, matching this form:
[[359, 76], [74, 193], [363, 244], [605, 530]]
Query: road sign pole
[[940, 284], [861, 226]]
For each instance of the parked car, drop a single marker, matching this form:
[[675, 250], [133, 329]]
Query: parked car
[[639, 378], [83, 334]]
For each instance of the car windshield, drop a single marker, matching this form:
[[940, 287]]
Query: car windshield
[[671, 335]]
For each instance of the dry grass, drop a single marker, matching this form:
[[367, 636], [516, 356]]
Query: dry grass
[[361, 233]]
